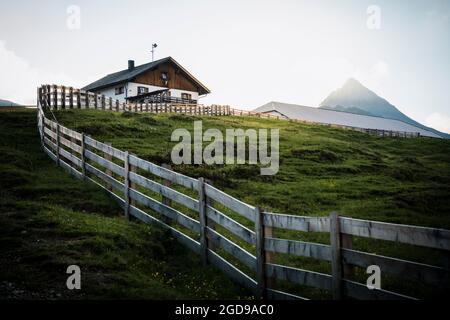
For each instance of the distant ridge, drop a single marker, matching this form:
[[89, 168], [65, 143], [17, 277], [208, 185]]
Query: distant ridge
[[7, 103], [353, 97]]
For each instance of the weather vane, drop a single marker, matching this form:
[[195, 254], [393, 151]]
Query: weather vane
[[154, 45]]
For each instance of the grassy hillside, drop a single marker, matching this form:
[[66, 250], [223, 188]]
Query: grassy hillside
[[49, 220], [321, 169]]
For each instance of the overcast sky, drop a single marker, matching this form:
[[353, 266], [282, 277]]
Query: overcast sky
[[246, 52]]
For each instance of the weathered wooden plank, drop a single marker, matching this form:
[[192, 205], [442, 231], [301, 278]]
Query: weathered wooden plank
[[75, 160], [433, 275], [50, 123], [280, 295], [420, 236], [105, 148], [165, 191], [234, 273], [182, 238], [164, 173], [300, 276], [165, 210], [359, 291], [300, 223], [70, 133], [108, 179], [232, 203], [50, 143], [299, 248], [105, 163], [70, 144], [50, 133], [232, 248], [233, 226]]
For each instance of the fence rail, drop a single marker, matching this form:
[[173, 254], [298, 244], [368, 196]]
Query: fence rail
[[204, 224], [62, 97]]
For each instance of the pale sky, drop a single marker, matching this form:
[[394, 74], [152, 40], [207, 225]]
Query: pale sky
[[246, 52]]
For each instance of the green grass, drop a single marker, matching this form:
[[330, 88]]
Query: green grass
[[321, 170], [49, 220]]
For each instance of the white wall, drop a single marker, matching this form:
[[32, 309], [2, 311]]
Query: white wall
[[131, 88], [177, 93], [110, 92]]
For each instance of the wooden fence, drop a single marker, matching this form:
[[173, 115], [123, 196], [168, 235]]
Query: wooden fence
[[61, 97], [376, 132], [204, 226]]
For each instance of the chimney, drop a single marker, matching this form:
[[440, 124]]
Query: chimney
[[130, 64]]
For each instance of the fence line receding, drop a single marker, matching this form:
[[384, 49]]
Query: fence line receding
[[62, 97], [237, 237]]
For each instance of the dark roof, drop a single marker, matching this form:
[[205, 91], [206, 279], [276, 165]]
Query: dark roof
[[127, 75]]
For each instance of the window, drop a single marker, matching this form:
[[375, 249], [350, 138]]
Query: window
[[164, 76], [119, 90], [142, 90], [186, 96]]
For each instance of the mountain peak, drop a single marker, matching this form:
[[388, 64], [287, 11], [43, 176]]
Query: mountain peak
[[353, 97], [352, 82]]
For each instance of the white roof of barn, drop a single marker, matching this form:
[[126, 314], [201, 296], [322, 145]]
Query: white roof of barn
[[293, 111]]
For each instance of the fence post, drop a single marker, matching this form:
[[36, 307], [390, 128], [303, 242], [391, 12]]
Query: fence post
[[108, 172], [336, 265], [83, 159], [63, 97], [209, 223], [202, 218], [42, 127], [260, 254], [166, 201], [78, 99], [71, 97], [57, 144], [127, 185], [55, 97]]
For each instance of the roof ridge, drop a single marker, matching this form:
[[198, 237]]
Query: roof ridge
[[127, 74]]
